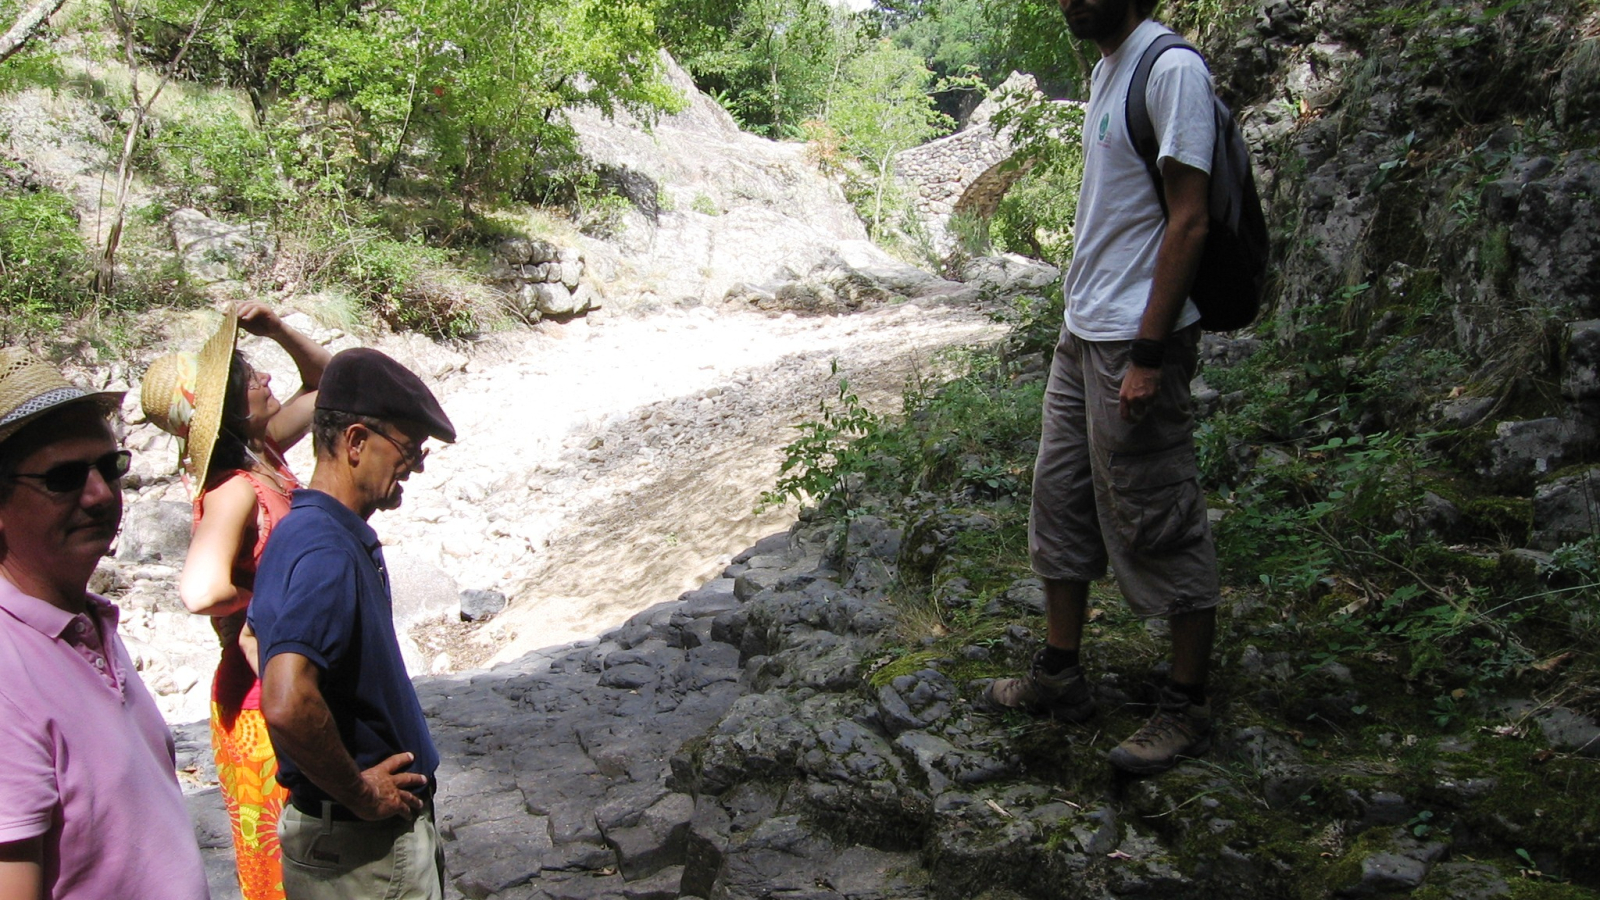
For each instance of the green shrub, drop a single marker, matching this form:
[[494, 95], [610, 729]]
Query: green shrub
[[211, 158], [43, 261], [1035, 216], [406, 284]]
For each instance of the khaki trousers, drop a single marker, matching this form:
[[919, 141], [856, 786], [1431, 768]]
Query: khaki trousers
[[324, 859], [1105, 489]]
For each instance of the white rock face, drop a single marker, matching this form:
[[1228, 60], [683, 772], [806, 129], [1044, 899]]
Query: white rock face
[[718, 208], [213, 251]]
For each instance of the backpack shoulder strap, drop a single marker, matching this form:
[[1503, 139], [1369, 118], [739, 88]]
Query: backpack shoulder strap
[[1141, 131]]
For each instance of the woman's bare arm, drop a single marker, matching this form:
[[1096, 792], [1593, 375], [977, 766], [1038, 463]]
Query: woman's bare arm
[[206, 586], [310, 358]]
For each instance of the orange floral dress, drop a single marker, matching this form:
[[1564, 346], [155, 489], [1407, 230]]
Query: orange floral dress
[[247, 769]]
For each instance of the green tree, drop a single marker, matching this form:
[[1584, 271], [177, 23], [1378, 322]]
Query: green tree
[[880, 107], [467, 92], [1036, 215], [778, 61], [991, 40]]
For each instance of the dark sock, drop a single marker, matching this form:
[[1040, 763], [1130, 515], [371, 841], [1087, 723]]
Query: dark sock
[[1055, 659], [1195, 692]]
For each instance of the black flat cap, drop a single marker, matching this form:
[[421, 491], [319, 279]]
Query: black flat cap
[[364, 382]]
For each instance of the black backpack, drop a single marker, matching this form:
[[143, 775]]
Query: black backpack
[[1233, 269]]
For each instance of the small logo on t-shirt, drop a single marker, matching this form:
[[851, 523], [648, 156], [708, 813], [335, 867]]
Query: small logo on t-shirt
[[1105, 126]]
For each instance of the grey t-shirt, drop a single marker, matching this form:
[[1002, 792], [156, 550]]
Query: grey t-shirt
[[1119, 224]]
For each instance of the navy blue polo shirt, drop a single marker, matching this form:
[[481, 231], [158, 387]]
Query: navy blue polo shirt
[[322, 591]]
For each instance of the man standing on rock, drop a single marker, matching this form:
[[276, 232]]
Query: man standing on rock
[[89, 802], [353, 746], [1116, 477]]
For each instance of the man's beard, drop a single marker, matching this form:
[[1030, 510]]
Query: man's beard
[[392, 499], [1098, 22]]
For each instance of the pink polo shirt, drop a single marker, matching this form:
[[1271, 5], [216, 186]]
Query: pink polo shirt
[[86, 761]]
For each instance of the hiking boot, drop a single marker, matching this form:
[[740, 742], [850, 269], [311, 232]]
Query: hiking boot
[[1065, 695], [1179, 730]]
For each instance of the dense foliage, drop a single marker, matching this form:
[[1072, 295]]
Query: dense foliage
[[466, 93]]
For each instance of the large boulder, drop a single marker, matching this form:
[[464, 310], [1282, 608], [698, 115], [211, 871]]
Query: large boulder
[[1581, 384], [156, 531], [1566, 510], [213, 251]]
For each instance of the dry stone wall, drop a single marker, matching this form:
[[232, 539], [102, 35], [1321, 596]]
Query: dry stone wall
[[966, 172]]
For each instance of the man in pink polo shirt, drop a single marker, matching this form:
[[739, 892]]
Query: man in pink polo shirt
[[89, 805]]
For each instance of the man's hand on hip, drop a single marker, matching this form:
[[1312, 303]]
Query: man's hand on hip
[[1139, 388], [386, 791]]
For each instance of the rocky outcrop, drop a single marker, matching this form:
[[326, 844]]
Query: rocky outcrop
[[1423, 215], [767, 735], [715, 213], [213, 252]]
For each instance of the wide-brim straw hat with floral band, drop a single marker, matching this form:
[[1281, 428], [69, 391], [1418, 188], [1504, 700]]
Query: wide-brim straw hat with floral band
[[30, 387], [183, 393]]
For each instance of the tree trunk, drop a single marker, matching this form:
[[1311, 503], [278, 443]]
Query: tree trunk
[[106, 270], [26, 26]]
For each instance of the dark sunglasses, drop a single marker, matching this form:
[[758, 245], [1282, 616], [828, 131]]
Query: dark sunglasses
[[411, 456], [72, 476]]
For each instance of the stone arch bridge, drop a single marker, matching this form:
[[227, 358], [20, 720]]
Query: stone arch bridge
[[966, 172]]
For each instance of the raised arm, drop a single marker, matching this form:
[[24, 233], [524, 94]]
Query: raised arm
[[303, 729], [310, 358]]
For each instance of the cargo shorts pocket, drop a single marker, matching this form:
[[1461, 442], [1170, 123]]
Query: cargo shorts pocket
[[1157, 506]]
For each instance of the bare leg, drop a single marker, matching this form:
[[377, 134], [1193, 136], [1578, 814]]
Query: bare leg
[[1066, 606], [1192, 636], [1052, 687], [1181, 727]]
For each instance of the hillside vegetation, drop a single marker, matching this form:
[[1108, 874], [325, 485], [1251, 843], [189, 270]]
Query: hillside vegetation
[[1400, 456]]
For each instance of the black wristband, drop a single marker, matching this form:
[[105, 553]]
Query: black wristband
[[1147, 353]]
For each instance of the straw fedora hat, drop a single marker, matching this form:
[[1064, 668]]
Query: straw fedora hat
[[182, 393], [30, 387]]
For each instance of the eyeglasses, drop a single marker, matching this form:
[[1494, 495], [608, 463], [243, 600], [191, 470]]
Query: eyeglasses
[[72, 476], [412, 457]]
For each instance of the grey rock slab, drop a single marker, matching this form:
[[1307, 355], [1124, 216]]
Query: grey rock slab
[[705, 847], [1571, 732], [773, 545], [214, 251], [1147, 870], [782, 858], [1566, 510], [666, 884], [658, 837], [156, 531], [1469, 881], [1386, 873], [490, 857], [214, 833], [707, 664], [1521, 452], [919, 700], [929, 752], [421, 591], [553, 299], [481, 605], [1581, 380], [710, 599]]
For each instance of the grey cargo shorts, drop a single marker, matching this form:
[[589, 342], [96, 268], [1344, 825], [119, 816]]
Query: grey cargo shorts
[[1124, 492]]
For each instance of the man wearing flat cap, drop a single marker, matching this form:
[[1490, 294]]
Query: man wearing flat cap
[[353, 746], [89, 803]]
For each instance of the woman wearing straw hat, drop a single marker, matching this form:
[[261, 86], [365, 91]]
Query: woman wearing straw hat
[[234, 432]]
